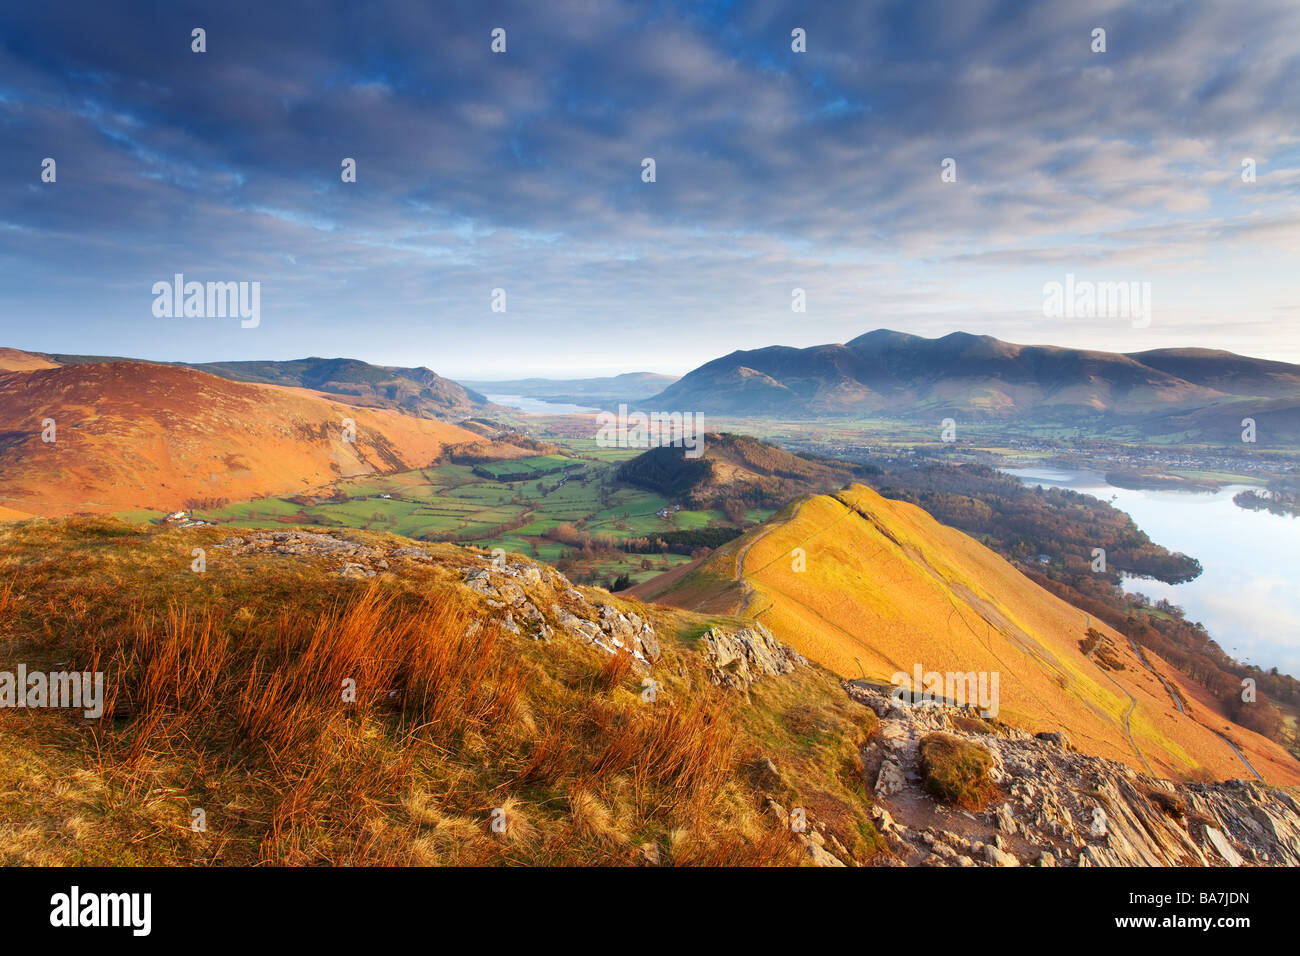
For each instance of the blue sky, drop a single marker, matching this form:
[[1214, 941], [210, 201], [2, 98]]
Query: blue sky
[[522, 171]]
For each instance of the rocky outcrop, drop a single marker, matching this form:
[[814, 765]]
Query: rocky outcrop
[[537, 601], [737, 657], [1058, 807], [522, 589], [309, 543]]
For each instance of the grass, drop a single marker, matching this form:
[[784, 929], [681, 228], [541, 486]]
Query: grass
[[317, 720], [455, 501], [956, 771]]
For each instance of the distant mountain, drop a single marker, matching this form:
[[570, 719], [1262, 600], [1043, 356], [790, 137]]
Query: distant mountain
[[605, 392], [1226, 371], [13, 360], [977, 376], [133, 435], [415, 391]]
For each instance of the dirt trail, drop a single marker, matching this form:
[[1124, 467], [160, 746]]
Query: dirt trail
[[744, 553], [1179, 704], [1132, 705]]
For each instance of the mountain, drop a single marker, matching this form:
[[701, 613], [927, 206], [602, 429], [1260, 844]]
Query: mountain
[[415, 391], [870, 587], [895, 374], [13, 360], [131, 435], [607, 392], [1226, 371], [730, 466]]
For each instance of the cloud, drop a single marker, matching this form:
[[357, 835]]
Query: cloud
[[522, 171]]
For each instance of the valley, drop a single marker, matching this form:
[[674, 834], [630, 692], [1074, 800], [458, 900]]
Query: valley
[[862, 547], [568, 509]]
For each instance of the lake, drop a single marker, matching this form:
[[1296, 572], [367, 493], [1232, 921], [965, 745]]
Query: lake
[[1248, 596], [535, 406]]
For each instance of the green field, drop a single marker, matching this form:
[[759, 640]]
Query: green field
[[458, 502]]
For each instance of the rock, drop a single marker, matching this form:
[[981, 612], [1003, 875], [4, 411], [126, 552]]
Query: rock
[[1224, 848], [890, 780], [779, 812], [1005, 821], [738, 657], [649, 644], [356, 571], [1059, 737], [1046, 858], [512, 593], [997, 857], [415, 554], [819, 856], [884, 822], [894, 733], [480, 582], [1098, 828]]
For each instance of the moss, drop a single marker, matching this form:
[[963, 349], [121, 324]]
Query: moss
[[957, 771]]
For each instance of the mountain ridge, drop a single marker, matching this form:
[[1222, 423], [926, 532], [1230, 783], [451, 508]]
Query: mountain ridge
[[870, 587], [885, 372], [130, 435]]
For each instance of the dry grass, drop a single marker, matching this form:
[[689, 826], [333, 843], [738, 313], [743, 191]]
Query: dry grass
[[321, 721]]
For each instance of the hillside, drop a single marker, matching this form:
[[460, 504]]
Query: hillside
[[733, 467], [13, 360], [145, 436], [501, 715], [356, 698], [416, 391], [978, 377], [884, 587]]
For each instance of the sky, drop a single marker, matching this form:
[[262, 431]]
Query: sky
[[522, 171]]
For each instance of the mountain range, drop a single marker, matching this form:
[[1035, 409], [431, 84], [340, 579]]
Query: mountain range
[[895, 374], [415, 391]]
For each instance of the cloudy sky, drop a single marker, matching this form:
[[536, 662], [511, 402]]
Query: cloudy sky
[[522, 171]]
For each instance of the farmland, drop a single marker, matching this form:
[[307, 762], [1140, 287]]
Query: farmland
[[517, 505]]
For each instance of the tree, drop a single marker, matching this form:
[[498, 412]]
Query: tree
[[734, 509]]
